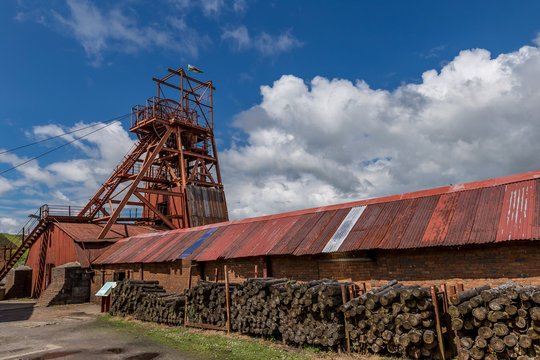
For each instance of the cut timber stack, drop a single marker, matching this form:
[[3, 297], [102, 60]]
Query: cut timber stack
[[255, 306], [498, 323], [393, 319], [207, 303], [128, 295], [162, 308], [310, 314]]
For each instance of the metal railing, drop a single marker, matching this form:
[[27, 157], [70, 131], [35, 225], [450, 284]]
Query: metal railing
[[165, 110]]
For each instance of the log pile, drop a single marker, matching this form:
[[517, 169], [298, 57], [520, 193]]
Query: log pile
[[502, 322], [255, 306], [128, 295], [207, 303], [162, 308], [310, 313], [393, 319]]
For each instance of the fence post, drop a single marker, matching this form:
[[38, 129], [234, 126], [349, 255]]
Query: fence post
[[438, 321], [344, 299], [227, 299]]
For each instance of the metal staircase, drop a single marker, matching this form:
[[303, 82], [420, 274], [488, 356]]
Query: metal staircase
[[31, 231]]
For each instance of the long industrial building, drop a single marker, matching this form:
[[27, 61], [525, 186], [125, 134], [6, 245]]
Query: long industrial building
[[474, 233]]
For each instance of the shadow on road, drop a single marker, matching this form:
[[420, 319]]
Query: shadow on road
[[16, 311]]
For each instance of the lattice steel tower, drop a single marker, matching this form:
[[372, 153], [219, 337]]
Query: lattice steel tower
[[171, 176]]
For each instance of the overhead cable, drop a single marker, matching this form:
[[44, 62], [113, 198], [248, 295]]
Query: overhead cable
[[54, 149], [121, 117]]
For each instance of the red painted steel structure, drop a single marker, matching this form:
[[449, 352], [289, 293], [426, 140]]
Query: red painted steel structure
[[171, 176], [62, 243], [502, 209]]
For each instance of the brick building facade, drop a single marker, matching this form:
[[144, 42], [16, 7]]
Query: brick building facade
[[476, 233]]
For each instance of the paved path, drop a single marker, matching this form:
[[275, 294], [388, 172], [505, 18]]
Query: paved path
[[70, 332]]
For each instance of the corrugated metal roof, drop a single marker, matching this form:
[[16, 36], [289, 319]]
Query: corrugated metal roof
[[87, 232], [487, 211]]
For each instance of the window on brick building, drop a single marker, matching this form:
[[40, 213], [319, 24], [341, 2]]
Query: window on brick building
[[119, 275]]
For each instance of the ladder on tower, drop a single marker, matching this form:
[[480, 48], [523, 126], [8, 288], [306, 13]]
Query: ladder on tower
[[36, 226]]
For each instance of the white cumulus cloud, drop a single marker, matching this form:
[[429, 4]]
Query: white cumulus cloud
[[333, 140]]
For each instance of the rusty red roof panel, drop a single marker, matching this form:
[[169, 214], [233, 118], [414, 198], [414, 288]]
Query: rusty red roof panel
[[324, 236], [492, 210], [156, 245], [292, 238], [487, 216], [381, 225], [413, 235], [360, 230], [535, 233], [243, 239], [460, 227], [217, 247], [88, 232], [441, 216], [517, 211], [398, 224], [261, 242], [179, 244], [309, 238]]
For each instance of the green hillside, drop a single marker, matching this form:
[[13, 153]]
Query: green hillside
[[15, 240]]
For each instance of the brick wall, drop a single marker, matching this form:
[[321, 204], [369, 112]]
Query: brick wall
[[472, 266], [491, 264], [173, 276]]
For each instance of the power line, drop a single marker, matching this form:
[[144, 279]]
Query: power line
[[121, 117], [56, 148]]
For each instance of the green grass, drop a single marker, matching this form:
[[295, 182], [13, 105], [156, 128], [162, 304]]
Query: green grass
[[205, 344]]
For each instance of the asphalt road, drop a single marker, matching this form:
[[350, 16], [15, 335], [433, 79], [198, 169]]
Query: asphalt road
[[70, 332]]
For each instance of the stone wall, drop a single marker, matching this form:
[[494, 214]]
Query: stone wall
[[70, 284]]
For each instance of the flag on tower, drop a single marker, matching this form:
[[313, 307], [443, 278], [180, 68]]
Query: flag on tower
[[194, 69]]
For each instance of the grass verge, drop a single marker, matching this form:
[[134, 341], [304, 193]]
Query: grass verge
[[207, 344]]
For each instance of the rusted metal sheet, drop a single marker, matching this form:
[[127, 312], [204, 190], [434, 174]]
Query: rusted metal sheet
[[461, 224], [440, 220], [379, 228], [324, 236], [412, 236], [196, 244], [487, 216], [153, 246], [314, 232], [360, 230], [455, 216], [208, 242], [517, 211], [344, 229], [219, 246], [243, 239], [89, 232], [295, 235], [398, 224], [535, 234], [207, 205], [262, 242], [178, 246]]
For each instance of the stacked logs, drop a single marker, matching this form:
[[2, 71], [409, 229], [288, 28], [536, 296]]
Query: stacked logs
[[162, 308], [207, 303], [394, 319], [502, 322], [310, 313], [254, 306], [128, 295]]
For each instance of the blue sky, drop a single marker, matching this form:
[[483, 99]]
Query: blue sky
[[317, 102]]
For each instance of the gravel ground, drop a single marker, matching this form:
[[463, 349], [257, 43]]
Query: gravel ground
[[70, 332]]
